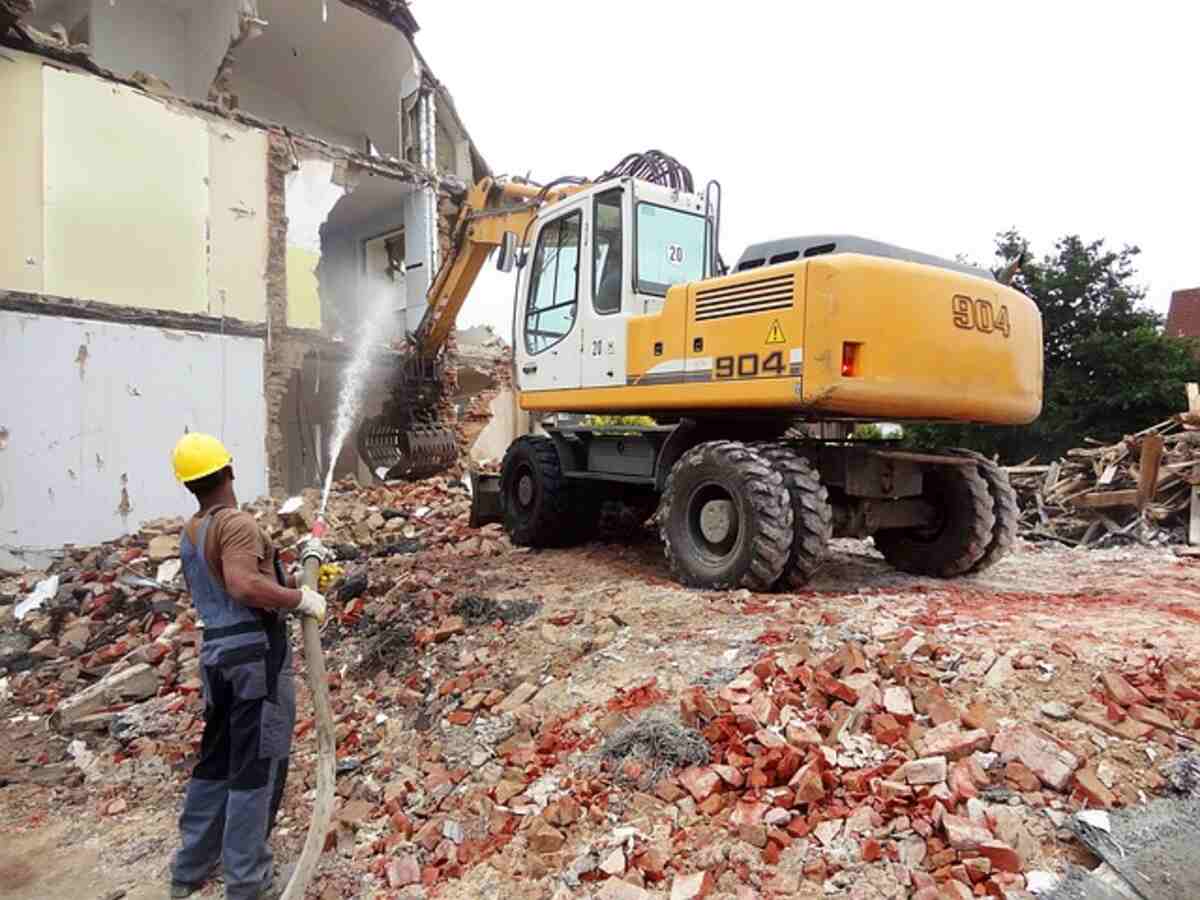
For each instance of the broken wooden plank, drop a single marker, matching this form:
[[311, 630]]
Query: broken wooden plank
[[1026, 470], [1152, 451], [1103, 499]]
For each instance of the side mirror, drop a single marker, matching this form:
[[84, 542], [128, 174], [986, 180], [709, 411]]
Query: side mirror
[[508, 252]]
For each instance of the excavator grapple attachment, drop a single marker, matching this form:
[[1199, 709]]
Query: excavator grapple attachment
[[412, 453]]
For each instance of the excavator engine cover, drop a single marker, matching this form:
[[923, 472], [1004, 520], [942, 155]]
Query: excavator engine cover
[[413, 452]]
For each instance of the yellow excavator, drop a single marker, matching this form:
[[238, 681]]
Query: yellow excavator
[[754, 376]]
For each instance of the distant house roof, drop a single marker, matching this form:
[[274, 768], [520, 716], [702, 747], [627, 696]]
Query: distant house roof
[[1183, 318]]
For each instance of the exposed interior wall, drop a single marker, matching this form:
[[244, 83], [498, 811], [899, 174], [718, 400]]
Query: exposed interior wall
[[310, 194], [21, 146], [126, 196], [325, 69], [237, 215], [88, 447], [182, 43], [350, 289], [128, 199], [142, 35]]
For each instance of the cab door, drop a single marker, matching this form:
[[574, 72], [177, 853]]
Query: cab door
[[549, 342], [606, 311]]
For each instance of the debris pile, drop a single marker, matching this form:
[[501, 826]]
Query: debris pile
[[1139, 489], [573, 724]]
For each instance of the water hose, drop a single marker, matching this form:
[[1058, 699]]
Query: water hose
[[311, 557]]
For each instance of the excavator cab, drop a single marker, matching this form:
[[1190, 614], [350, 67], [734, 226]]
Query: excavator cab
[[597, 260]]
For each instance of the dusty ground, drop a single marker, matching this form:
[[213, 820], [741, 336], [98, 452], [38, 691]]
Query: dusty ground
[[615, 635]]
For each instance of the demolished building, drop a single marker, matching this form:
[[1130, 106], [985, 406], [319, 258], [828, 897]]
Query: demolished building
[[203, 201]]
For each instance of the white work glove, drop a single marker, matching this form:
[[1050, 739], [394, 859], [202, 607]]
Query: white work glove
[[311, 604]]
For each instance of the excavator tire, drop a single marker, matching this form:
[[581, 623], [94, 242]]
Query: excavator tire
[[960, 538], [534, 495], [1004, 502], [724, 518], [812, 516]]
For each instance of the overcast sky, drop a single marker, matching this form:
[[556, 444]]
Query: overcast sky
[[930, 125]]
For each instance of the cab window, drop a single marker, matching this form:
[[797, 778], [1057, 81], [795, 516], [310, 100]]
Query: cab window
[[671, 248], [554, 284], [606, 253]]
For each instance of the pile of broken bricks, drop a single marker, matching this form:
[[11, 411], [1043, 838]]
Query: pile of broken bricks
[[111, 626], [863, 760], [858, 762]]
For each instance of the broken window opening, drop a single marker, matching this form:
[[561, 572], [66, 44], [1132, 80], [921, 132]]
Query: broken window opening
[[349, 250]]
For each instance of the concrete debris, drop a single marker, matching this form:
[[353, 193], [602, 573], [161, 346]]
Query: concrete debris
[[546, 724], [1056, 710], [44, 591]]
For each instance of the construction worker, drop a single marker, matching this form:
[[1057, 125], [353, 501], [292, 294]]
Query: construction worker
[[240, 591]]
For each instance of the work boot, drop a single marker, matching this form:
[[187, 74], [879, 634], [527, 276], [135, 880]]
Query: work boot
[[181, 889]]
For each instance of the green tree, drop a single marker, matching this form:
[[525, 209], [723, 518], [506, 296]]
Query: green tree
[[1110, 370]]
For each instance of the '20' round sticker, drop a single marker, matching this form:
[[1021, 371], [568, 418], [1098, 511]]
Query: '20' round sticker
[[675, 254]]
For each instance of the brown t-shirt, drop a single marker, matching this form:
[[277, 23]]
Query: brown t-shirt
[[233, 533]]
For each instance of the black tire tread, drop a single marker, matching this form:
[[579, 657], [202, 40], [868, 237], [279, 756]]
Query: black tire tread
[[773, 533], [812, 516], [1004, 507], [952, 556], [552, 528]]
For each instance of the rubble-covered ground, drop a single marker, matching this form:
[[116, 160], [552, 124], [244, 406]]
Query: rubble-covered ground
[[572, 723]]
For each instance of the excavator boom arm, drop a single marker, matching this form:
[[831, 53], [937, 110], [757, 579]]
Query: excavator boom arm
[[490, 209], [406, 441]]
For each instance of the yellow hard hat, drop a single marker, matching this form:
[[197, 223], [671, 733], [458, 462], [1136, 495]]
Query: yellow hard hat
[[197, 455]]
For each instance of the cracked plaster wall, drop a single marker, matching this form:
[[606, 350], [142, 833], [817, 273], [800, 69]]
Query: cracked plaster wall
[[161, 208], [87, 456]]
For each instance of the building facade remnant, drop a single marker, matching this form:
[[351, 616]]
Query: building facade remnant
[[205, 198]]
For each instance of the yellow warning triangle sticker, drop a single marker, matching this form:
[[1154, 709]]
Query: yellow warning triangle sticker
[[775, 335]]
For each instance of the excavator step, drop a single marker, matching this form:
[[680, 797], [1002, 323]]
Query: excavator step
[[485, 500]]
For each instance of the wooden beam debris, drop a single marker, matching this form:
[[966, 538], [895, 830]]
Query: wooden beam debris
[[1145, 487]]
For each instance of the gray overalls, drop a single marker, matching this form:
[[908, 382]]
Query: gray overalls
[[249, 714]]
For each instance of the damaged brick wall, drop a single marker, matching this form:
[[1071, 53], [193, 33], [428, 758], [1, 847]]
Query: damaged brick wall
[[282, 356]]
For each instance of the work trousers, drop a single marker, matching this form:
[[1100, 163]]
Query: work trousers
[[235, 789]]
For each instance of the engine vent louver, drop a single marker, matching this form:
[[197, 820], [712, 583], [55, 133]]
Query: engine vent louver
[[749, 297]]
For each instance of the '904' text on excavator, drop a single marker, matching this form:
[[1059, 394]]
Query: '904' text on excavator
[[753, 375]]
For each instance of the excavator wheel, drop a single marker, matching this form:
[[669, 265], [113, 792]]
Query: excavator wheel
[[725, 519], [812, 516], [1004, 501], [534, 495], [959, 538]]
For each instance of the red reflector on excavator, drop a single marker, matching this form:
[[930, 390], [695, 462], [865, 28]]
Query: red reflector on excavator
[[850, 359]]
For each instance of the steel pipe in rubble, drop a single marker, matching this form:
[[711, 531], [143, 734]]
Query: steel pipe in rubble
[[322, 812]]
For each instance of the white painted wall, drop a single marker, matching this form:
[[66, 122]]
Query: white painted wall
[[94, 408]]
